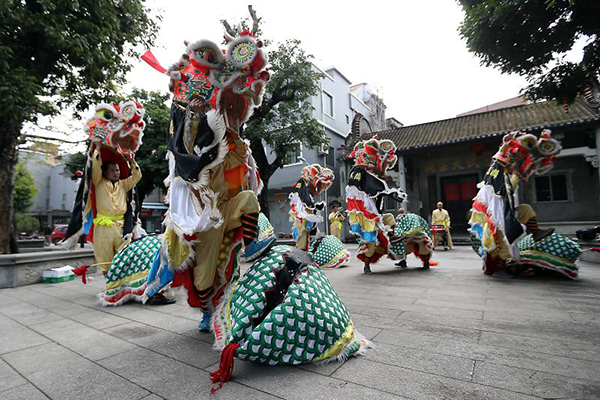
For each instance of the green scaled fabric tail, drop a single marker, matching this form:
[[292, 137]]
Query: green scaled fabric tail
[[416, 233], [555, 253], [126, 278], [307, 323]]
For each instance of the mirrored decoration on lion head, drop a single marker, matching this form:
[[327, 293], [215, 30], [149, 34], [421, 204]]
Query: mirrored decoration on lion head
[[318, 178], [375, 154], [120, 127], [528, 155]]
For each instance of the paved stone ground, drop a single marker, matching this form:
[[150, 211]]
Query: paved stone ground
[[447, 333]]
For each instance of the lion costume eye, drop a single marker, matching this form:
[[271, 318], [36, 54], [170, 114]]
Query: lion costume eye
[[107, 115]]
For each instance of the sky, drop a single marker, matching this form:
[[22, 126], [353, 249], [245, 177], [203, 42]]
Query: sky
[[410, 51]]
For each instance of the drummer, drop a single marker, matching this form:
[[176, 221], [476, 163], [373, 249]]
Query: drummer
[[441, 217]]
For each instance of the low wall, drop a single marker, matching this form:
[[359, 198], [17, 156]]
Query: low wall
[[26, 269]]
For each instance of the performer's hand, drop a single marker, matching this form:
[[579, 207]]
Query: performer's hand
[[197, 105]]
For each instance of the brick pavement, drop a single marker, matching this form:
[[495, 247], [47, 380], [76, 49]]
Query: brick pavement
[[449, 332]]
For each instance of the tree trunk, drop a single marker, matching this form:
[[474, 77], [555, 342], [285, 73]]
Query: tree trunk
[[8, 160]]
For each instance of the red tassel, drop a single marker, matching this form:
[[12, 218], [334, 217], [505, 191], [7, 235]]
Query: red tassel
[[223, 374], [81, 271], [152, 61]]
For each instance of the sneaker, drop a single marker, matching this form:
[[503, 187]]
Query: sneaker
[[204, 325], [542, 234], [401, 264], [367, 270]]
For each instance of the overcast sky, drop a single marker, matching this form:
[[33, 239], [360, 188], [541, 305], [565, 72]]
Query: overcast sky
[[410, 51]]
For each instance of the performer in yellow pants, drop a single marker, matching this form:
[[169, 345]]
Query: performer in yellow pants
[[335, 220], [111, 205]]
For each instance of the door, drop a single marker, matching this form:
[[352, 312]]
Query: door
[[457, 195]]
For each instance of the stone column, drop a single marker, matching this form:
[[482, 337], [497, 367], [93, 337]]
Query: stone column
[[401, 176]]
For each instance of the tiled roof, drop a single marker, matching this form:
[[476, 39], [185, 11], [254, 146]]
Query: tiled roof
[[529, 117]]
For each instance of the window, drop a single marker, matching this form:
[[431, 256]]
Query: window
[[391, 204], [293, 155], [328, 104], [331, 157], [551, 188]]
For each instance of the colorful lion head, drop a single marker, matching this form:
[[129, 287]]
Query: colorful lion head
[[376, 154], [120, 127], [318, 177], [231, 79], [528, 155]]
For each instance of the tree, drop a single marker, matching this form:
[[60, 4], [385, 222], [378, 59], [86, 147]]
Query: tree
[[284, 117], [532, 37], [58, 52], [25, 189]]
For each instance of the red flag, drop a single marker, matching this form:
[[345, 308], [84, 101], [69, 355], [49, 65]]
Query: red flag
[[152, 61]]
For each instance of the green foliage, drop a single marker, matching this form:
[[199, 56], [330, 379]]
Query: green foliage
[[532, 37], [25, 189], [285, 115], [76, 162], [56, 52], [27, 223]]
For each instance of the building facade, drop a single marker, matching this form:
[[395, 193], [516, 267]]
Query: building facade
[[445, 160], [334, 108], [54, 200]]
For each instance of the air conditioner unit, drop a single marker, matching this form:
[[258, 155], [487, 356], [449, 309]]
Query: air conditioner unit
[[323, 149]]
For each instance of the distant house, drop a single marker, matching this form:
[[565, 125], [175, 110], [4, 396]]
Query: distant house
[[54, 200], [334, 108], [444, 160]]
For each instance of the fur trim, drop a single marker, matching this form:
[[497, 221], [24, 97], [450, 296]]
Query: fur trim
[[70, 242], [207, 44], [217, 125]]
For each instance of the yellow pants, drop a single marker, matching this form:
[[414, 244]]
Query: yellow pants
[[208, 263], [108, 241], [336, 230], [372, 247]]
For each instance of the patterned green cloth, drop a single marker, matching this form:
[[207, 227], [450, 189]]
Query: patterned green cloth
[[415, 230], [310, 320], [556, 252], [329, 252], [126, 278]]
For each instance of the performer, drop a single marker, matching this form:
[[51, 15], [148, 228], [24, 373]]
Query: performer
[[335, 220], [439, 216], [304, 212], [106, 206], [284, 311], [111, 205], [365, 194], [496, 221], [415, 237], [213, 179]]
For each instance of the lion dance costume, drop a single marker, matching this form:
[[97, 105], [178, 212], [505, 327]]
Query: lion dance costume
[[304, 212], [284, 311], [365, 195], [213, 180], [497, 222], [413, 235]]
